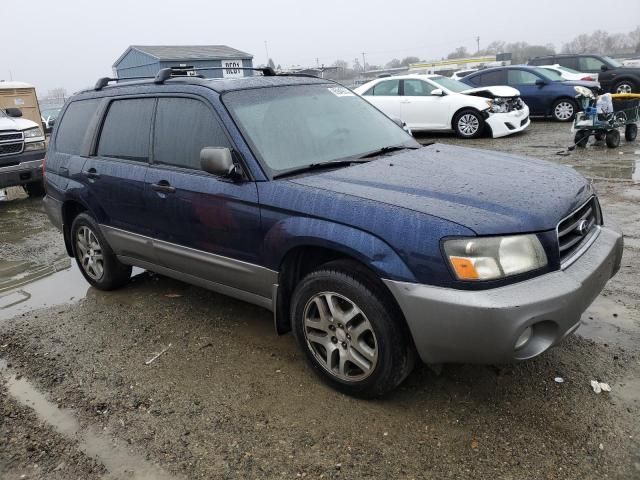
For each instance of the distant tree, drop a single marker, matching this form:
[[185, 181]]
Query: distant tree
[[600, 41], [407, 60], [460, 52], [395, 63], [271, 64]]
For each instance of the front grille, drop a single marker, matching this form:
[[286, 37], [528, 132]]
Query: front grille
[[8, 136], [10, 148], [524, 121], [577, 228]]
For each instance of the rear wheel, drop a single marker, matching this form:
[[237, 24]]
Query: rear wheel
[[468, 124], [582, 138], [563, 110], [35, 189], [94, 256], [631, 132], [351, 332], [613, 138]]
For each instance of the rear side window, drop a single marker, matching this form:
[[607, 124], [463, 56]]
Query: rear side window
[[73, 126], [183, 127], [126, 130], [569, 62], [489, 79]]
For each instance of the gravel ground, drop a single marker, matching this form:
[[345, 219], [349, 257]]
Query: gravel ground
[[229, 399]]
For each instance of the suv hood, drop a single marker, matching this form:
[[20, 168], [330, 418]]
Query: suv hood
[[488, 192], [493, 92], [10, 123]]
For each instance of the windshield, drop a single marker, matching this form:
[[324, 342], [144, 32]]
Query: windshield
[[296, 126], [450, 84], [2, 114], [550, 75], [612, 62]]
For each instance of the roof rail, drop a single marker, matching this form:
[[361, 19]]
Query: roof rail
[[172, 72]]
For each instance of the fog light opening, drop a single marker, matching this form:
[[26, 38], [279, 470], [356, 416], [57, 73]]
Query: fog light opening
[[524, 338]]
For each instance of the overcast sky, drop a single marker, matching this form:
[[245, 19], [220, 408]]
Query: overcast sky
[[70, 43]]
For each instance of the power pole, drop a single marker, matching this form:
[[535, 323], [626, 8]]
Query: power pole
[[266, 49], [478, 40], [364, 64]]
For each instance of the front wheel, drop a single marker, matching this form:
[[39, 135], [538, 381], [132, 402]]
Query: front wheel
[[631, 132], [97, 262], [468, 124], [613, 138], [351, 333], [563, 110]]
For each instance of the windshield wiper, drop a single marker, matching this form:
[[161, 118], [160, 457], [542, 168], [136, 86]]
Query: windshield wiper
[[390, 148], [318, 166]]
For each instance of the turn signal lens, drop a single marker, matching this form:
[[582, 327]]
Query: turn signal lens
[[464, 268]]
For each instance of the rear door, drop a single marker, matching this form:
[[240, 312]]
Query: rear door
[[386, 96], [115, 176], [206, 226], [421, 110], [535, 96]]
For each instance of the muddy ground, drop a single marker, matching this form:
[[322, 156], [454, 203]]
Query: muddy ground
[[229, 399]]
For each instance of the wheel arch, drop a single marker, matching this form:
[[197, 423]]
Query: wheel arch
[[70, 210]]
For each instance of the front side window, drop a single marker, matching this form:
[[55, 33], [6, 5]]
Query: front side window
[[183, 127], [291, 127], [387, 88], [521, 77], [590, 64], [417, 88], [73, 127], [126, 130]]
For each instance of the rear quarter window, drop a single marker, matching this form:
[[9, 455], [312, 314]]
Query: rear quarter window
[[73, 126]]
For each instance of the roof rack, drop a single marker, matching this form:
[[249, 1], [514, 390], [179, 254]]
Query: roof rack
[[104, 81], [171, 72]]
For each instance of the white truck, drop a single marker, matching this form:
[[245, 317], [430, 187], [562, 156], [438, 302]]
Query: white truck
[[22, 141]]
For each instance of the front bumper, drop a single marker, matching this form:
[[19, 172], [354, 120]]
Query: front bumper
[[503, 124], [25, 168], [461, 326]]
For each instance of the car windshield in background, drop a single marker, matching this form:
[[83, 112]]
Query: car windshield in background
[[550, 75], [296, 126], [612, 62], [2, 114], [567, 69], [51, 112], [450, 84]]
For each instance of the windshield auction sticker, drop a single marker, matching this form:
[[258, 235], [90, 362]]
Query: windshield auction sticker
[[341, 92]]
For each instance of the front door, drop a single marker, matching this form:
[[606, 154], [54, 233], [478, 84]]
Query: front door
[[206, 226], [421, 110], [534, 95], [386, 96]]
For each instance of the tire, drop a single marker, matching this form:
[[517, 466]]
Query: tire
[[35, 189], [631, 132], [369, 365], [94, 256], [582, 138], [613, 138], [625, 86], [468, 124], [563, 110]]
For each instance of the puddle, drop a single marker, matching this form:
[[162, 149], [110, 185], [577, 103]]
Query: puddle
[[64, 286], [600, 324], [115, 457]]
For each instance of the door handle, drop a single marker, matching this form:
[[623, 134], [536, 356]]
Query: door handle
[[92, 174], [163, 187]]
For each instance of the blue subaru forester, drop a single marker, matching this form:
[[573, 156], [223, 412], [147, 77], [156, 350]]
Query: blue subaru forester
[[297, 195]]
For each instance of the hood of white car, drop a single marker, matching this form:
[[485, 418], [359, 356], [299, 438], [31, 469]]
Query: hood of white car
[[493, 92], [10, 123]]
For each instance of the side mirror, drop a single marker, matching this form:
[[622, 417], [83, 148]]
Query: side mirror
[[540, 82], [14, 112], [217, 161], [604, 68], [438, 92]]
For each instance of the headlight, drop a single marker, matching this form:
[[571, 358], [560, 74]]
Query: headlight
[[33, 133], [489, 258], [33, 146], [497, 106]]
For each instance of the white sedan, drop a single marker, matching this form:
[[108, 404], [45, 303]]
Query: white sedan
[[569, 73], [434, 102]]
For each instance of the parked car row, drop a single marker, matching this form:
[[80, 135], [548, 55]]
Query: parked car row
[[298, 195]]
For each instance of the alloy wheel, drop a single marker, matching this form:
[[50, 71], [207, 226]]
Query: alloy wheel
[[624, 88], [563, 111], [468, 124], [340, 336], [89, 253]]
